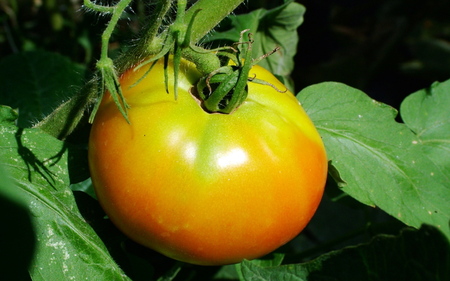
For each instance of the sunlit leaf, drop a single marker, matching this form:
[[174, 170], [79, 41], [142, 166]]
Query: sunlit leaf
[[380, 162], [427, 114]]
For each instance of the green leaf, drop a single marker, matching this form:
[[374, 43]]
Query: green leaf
[[270, 28], [273, 259], [17, 233], [254, 272], [427, 114], [234, 272], [36, 83], [412, 255], [86, 187], [378, 161], [67, 248]]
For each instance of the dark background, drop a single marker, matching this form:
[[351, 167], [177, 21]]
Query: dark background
[[387, 48]]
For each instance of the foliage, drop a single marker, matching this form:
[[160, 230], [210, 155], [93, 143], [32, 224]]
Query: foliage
[[381, 162], [386, 211], [363, 262], [272, 28]]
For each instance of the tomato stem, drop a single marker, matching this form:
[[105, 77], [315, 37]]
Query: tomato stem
[[202, 17], [231, 80]]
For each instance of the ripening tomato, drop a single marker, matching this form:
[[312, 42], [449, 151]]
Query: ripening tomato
[[206, 188]]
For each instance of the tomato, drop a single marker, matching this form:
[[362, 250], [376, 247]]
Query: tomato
[[206, 188]]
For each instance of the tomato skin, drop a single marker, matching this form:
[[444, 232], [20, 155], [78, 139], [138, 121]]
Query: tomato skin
[[203, 188]]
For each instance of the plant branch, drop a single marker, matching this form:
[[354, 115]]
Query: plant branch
[[207, 14]]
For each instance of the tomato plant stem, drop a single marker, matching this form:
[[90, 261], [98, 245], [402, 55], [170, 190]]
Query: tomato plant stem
[[116, 13], [100, 8], [207, 15]]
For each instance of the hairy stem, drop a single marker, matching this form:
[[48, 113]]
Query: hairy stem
[[117, 12], [99, 8], [208, 13]]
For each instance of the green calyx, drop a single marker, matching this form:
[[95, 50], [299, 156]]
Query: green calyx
[[225, 89], [179, 40]]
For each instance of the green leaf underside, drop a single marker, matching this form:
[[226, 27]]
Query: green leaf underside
[[270, 28], [36, 83], [386, 257], [380, 162], [67, 248]]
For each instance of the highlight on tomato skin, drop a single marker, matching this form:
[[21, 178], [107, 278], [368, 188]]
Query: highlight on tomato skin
[[208, 189]]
